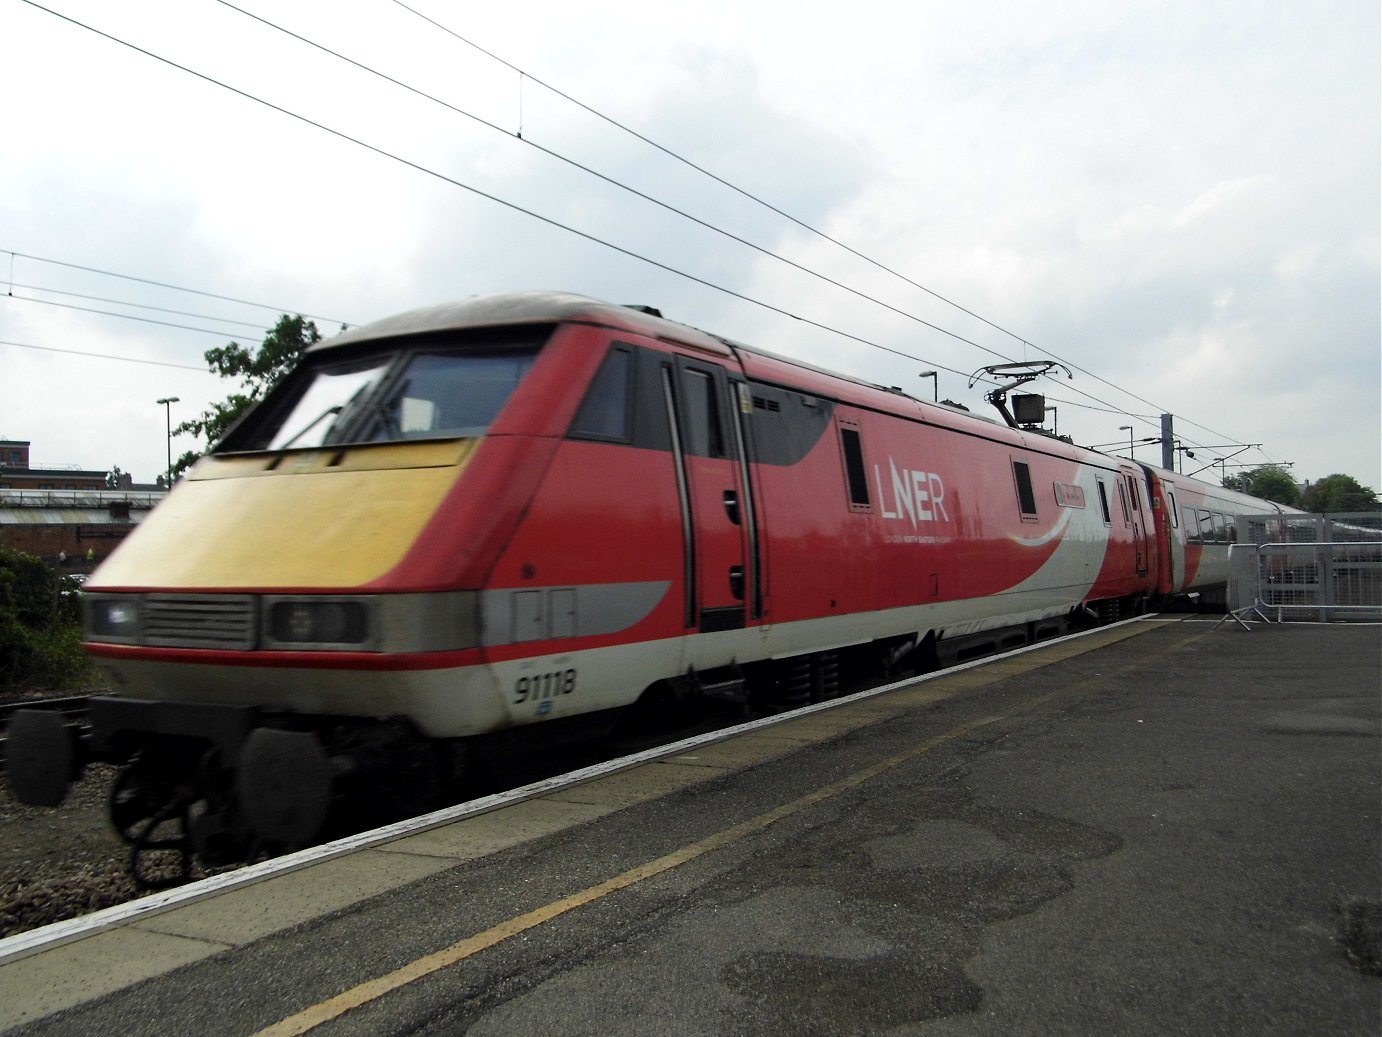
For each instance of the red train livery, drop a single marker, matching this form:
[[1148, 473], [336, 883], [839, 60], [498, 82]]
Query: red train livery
[[526, 511]]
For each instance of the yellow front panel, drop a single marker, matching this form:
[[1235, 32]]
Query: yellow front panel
[[324, 518]]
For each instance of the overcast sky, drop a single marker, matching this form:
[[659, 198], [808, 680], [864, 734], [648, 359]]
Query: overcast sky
[[1179, 200]]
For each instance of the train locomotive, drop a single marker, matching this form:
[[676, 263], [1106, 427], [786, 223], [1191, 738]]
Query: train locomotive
[[495, 521]]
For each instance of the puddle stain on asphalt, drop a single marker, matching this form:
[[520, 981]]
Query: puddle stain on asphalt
[[926, 886]]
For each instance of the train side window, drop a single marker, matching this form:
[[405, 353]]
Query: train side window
[[1123, 501], [605, 412], [1204, 526], [1231, 528], [705, 437], [1175, 516], [1103, 502], [1220, 529], [1192, 533], [1026, 499], [854, 467]]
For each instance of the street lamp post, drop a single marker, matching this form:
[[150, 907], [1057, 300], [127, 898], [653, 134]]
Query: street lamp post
[[168, 402], [935, 384], [1132, 452]]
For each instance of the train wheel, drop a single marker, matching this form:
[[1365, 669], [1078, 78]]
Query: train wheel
[[149, 805]]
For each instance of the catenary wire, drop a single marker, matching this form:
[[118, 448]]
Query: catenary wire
[[1108, 408], [219, 333], [123, 302], [514, 206], [162, 284], [612, 181], [550, 221], [524, 74], [201, 369]]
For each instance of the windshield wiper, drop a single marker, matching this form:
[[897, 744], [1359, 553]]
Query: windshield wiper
[[388, 426], [334, 409]]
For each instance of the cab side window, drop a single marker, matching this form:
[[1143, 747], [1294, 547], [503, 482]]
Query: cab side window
[[1026, 498], [606, 411], [855, 477], [705, 435]]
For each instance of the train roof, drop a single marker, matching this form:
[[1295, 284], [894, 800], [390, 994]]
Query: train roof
[[516, 309], [519, 308], [551, 307]]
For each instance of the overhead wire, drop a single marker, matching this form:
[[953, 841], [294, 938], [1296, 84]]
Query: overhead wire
[[612, 181], [570, 229], [163, 284], [220, 333], [107, 356], [525, 74], [550, 221], [123, 302], [488, 124]]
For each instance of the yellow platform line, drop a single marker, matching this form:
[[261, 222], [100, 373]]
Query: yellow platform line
[[371, 990]]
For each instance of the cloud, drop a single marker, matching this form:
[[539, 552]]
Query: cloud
[[1178, 197]]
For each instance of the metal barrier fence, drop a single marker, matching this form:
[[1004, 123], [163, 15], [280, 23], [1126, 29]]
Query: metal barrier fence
[[1310, 529], [1316, 568]]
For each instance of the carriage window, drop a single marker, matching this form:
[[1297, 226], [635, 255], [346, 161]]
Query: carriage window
[[1220, 529], [1204, 527], [1123, 501], [1175, 518], [1103, 502], [605, 412], [1026, 499], [854, 466], [703, 432]]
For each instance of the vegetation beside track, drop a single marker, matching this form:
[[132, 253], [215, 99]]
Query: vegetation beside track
[[40, 628]]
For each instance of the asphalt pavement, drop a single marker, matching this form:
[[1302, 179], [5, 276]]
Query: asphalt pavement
[[1174, 830]]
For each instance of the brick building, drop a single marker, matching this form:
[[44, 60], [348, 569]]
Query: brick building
[[66, 515], [16, 473]]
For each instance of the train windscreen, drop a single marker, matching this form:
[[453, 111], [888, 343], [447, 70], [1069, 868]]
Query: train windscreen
[[425, 392]]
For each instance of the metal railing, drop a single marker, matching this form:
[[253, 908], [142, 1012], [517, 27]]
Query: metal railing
[[1312, 529], [11, 498], [1321, 580]]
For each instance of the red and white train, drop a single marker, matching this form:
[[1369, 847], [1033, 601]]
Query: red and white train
[[524, 511]]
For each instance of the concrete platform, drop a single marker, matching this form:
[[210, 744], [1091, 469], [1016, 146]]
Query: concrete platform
[[1162, 827]]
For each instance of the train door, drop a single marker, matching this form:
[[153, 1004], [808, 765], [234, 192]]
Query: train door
[[1132, 511], [1170, 539], [716, 511]]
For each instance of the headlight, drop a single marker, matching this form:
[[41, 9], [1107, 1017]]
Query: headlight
[[111, 618], [300, 623]]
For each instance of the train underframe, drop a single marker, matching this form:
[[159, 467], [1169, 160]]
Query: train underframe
[[216, 784]]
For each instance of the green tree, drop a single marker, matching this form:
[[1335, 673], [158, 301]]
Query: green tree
[[1269, 483], [40, 637], [258, 372], [1339, 493]]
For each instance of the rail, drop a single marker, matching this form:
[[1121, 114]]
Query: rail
[[52, 498]]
